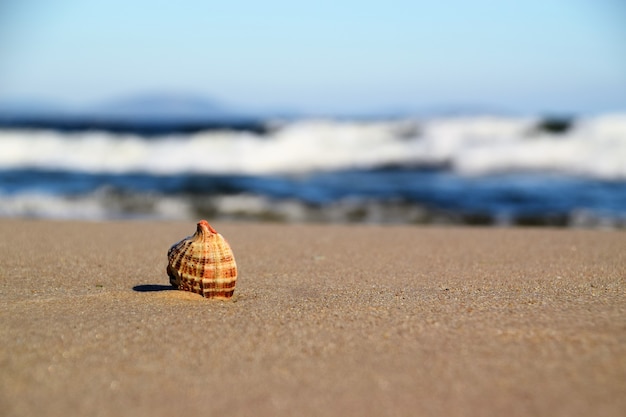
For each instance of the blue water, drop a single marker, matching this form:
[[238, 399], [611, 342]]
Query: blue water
[[511, 198], [464, 170]]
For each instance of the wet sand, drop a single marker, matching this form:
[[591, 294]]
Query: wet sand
[[326, 321]]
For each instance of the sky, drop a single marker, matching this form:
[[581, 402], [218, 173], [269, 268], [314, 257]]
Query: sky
[[324, 56]]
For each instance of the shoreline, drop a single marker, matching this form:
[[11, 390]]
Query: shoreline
[[326, 320]]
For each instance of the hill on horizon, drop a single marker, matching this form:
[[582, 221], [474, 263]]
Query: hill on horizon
[[163, 105], [144, 106]]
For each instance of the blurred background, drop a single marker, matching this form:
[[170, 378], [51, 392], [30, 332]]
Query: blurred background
[[489, 112]]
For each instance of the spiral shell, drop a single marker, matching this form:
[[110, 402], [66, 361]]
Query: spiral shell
[[203, 263]]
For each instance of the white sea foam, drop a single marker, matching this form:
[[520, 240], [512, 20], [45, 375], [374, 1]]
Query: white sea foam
[[98, 205], [102, 205], [593, 147]]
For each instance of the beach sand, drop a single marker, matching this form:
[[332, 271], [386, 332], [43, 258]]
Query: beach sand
[[326, 321]]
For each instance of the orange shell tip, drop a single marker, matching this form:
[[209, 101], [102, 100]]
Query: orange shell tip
[[203, 224]]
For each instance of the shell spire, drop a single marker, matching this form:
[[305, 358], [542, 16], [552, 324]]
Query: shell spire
[[203, 263]]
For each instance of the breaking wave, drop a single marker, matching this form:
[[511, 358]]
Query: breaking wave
[[593, 147]]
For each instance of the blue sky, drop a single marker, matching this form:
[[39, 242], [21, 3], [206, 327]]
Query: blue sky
[[324, 56]]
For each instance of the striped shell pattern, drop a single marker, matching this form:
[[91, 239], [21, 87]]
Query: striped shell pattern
[[203, 263]]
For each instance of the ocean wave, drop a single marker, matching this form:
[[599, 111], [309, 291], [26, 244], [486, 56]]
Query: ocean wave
[[108, 204], [101, 204], [592, 147]]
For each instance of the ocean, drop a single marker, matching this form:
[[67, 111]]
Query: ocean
[[483, 170]]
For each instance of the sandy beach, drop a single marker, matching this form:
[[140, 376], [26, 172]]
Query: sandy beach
[[326, 321]]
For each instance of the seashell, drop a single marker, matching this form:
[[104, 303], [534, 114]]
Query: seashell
[[203, 263]]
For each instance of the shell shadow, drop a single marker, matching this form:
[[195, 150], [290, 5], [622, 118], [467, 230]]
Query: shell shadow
[[153, 288]]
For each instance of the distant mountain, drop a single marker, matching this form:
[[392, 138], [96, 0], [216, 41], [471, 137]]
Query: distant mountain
[[146, 114], [160, 106], [148, 106], [30, 108]]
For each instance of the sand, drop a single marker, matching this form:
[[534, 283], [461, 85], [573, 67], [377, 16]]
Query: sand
[[326, 321]]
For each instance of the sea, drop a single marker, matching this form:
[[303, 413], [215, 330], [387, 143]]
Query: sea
[[463, 169]]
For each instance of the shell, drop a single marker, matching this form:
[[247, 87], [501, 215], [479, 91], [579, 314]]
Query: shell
[[203, 263]]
